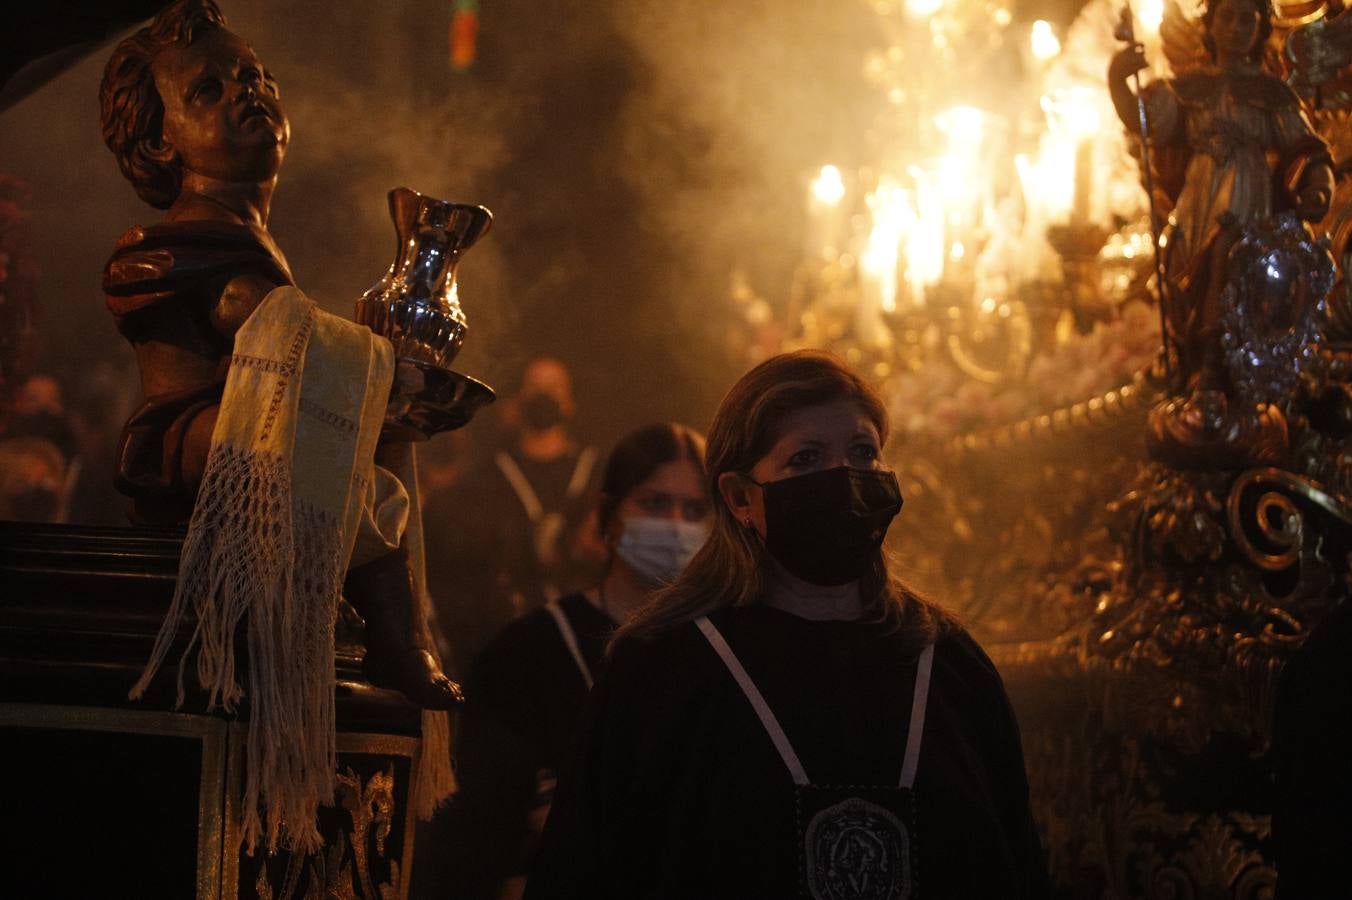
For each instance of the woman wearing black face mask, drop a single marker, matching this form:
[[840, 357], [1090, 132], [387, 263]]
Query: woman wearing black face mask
[[788, 720]]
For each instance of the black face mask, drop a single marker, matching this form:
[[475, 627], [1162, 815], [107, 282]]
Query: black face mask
[[826, 527], [540, 412], [49, 426]]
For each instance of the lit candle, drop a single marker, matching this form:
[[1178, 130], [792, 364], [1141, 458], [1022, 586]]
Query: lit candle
[[1043, 41], [1150, 13], [824, 212], [1068, 150], [1084, 180], [926, 238], [892, 220]]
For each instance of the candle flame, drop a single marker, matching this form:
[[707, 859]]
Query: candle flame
[[1044, 41], [1046, 181], [964, 125], [892, 219], [1151, 15], [1073, 112], [907, 227], [828, 187]]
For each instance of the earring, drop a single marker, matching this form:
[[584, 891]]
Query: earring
[[746, 523]]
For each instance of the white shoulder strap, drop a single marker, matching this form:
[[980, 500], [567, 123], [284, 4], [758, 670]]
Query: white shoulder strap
[[768, 720], [781, 740], [581, 473], [530, 501], [917, 729], [570, 640]]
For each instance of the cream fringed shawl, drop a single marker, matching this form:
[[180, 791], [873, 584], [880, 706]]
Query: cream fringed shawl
[[290, 485]]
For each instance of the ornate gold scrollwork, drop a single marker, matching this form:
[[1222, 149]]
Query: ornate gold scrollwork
[[370, 807], [342, 870], [1102, 804], [1276, 520]]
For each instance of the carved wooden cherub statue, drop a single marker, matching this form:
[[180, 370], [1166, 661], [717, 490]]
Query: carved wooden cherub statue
[[197, 125], [198, 128], [1234, 147]]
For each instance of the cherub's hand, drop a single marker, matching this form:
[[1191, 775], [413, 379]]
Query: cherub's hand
[[240, 297]]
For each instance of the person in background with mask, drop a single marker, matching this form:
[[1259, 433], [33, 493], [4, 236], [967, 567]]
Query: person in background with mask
[[507, 542], [39, 459], [787, 719], [526, 690], [38, 411], [32, 480]]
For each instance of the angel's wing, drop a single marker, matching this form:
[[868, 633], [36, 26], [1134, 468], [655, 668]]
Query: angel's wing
[[1181, 37]]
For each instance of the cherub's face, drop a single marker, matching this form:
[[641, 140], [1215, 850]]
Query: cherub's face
[[222, 113]]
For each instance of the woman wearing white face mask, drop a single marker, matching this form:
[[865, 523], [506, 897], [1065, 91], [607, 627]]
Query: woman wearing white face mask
[[654, 514], [525, 692]]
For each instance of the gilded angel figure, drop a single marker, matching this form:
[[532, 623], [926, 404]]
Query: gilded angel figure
[[1232, 146]]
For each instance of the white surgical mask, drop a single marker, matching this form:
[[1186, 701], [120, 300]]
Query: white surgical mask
[[658, 549]]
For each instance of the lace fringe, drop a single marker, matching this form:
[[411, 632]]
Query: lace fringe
[[436, 778], [253, 550]]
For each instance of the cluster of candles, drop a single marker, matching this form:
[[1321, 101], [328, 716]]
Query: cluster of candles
[[976, 207]]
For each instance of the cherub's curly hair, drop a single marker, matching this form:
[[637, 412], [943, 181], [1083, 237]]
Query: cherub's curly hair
[[130, 107], [1265, 17]]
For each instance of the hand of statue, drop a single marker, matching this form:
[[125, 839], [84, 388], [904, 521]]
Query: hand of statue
[[238, 300], [1126, 62], [1312, 203]]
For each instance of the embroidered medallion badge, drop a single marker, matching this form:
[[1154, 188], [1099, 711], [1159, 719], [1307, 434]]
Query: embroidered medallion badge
[[857, 850]]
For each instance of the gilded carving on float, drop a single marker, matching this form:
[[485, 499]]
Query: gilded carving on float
[[1225, 567], [343, 869], [370, 807], [1083, 417], [1137, 844], [1216, 856], [1274, 313], [368, 830], [1276, 519]]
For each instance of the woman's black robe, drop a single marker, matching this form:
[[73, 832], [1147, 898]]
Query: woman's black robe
[[677, 791]]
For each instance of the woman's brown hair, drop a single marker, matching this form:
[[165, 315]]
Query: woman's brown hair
[[638, 456], [727, 570]]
